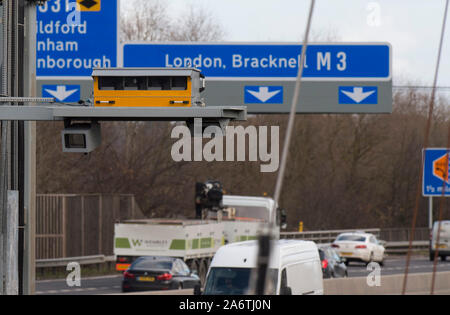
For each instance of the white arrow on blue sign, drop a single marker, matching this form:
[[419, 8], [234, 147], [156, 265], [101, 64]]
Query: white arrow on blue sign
[[264, 94], [358, 95], [62, 93]]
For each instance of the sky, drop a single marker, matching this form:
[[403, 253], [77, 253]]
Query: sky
[[412, 27]]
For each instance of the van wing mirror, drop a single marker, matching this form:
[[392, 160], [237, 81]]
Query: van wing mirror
[[282, 218], [198, 289], [285, 291]]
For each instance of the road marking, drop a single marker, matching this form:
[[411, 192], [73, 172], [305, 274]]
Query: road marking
[[85, 279], [90, 289]]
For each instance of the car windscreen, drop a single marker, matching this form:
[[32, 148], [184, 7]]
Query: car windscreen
[[352, 238], [235, 281], [152, 265], [252, 212]]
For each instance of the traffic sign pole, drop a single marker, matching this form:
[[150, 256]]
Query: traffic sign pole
[[430, 212]]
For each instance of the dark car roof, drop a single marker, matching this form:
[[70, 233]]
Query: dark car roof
[[157, 258], [147, 262]]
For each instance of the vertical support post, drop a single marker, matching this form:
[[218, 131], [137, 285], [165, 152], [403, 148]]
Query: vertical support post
[[64, 222], [430, 213], [28, 222], [5, 128], [100, 224], [82, 219], [11, 263], [3, 199]]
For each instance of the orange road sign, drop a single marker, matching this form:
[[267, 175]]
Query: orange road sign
[[89, 5], [440, 168]]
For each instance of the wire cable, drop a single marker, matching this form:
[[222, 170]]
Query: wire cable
[[265, 239], [427, 133], [440, 218]]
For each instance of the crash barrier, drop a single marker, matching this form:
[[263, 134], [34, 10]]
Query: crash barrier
[[388, 235]]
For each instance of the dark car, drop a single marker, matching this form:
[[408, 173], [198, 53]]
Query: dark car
[[158, 273], [333, 266]]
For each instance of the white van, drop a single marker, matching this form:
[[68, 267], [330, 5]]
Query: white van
[[444, 240], [294, 268]]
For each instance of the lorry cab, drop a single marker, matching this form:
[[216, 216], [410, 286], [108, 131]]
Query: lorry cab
[[148, 87], [294, 268]]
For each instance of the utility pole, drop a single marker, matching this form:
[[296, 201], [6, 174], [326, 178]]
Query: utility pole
[[27, 221]]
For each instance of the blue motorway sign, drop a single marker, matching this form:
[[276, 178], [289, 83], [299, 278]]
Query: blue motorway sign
[[250, 60], [435, 172], [74, 36]]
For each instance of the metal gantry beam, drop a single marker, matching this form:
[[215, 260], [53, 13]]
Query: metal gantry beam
[[61, 113]]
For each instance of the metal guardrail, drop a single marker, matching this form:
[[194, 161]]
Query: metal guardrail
[[63, 262], [402, 247], [327, 237], [324, 236], [320, 237]]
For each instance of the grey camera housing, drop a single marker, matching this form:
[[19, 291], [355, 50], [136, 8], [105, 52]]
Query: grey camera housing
[[81, 138]]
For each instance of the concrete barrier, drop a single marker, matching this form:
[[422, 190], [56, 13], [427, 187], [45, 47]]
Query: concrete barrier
[[418, 283]]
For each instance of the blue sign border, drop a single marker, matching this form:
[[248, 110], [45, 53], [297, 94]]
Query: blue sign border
[[431, 185], [92, 49], [369, 61]]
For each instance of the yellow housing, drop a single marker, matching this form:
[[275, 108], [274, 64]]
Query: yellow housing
[[147, 87]]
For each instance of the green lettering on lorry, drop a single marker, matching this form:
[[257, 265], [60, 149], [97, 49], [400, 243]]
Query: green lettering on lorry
[[206, 242], [178, 245], [122, 242]]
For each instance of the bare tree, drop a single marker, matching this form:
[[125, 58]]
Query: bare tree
[[145, 20], [197, 25], [149, 20]]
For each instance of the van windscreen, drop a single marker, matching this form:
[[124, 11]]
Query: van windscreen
[[235, 281]]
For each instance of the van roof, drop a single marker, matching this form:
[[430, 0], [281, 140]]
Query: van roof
[[442, 222], [245, 254]]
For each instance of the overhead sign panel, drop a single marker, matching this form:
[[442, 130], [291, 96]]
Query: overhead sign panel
[[435, 172], [343, 61], [75, 36], [338, 77]]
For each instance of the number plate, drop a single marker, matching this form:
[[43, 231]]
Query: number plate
[[346, 254], [146, 279]]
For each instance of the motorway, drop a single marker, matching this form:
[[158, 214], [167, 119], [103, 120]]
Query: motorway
[[112, 284]]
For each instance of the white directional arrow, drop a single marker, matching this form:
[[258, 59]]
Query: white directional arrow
[[358, 95], [61, 93], [263, 94]]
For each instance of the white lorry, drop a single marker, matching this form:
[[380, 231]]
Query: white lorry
[[194, 241]]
